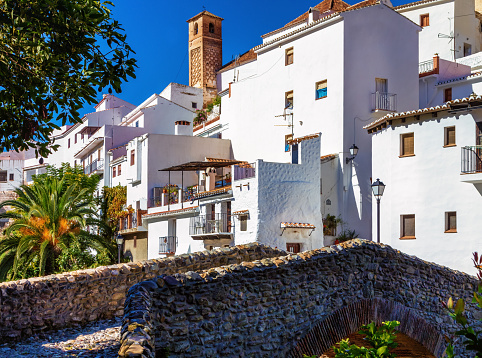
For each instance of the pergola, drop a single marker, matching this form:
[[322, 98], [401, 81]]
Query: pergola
[[195, 166]]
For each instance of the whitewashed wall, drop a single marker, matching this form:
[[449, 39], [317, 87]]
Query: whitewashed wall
[[428, 185]]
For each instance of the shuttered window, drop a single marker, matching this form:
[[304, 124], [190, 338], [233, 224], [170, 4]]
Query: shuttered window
[[451, 221], [424, 20], [407, 226], [293, 247], [289, 56], [407, 146], [448, 94], [449, 136]]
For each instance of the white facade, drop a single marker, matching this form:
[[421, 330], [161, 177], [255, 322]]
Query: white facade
[[454, 20], [364, 44], [430, 183]]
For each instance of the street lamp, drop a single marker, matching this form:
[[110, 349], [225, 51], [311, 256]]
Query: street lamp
[[120, 242], [353, 152], [378, 188]]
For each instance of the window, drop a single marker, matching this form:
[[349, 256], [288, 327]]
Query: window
[[243, 221], [196, 28], [289, 100], [3, 176], [449, 136], [289, 56], [75, 138], [119, 169], [137, 123], [211, 28], [293, 248], [381, 85], [424, 20], [288, 137], [448, 94], [68, 143], [133, 157], [113, 172], [407, 227], [98, 154], [467, 49], [194, 105], [10, 176], [321, 89], [407, 145], [451, 221]]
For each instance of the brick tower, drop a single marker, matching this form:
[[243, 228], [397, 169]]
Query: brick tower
[[205, 52]]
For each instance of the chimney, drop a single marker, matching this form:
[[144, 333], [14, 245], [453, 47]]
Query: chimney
[[183, 128], [313, 15]]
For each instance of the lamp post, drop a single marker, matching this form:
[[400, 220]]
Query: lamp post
[[120, 242], [378, 188], [353, 152]]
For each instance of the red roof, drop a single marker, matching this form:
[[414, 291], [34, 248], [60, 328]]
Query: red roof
[[324, 6]]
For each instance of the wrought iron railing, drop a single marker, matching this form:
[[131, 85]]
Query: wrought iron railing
[[244, 171], [471, 159], [167, 244], [97, 164], [384, 101], [425, 66], [211, 224]]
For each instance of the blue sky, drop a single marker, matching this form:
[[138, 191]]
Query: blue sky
[[158, 32]]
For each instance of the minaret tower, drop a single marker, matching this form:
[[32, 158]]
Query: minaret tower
[[205, 52]]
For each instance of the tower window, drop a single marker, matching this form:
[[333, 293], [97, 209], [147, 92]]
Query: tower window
[[211, 28], [196, 28]]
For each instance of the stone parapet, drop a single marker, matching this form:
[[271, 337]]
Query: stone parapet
[[44, 303], [265, 307]]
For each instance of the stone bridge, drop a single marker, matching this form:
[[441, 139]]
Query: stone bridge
[[291, 305]]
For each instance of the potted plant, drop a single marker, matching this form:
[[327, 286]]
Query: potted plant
[[330, 223]]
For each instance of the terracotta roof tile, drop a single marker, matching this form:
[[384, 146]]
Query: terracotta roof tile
[[204, 194], [203, 124], [290, 225], [248, 56], [205, 12], [328, 157], [324, 6], [241, 212], [168, 212], [300, 139], [399, 7], [362, 4]]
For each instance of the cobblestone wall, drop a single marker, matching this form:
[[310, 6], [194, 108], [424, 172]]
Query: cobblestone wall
[[56, 301], [262, 308]]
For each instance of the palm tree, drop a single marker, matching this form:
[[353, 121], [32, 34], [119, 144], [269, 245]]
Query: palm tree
[[49, 217]]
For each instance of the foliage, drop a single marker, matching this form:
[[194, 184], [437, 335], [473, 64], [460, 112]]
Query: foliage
[[54, 54], [347, 235], [381, 340], [330, 223], [113, 205], [70, 175], [50, 221], [201, 116], [473, 337], [216, 102]]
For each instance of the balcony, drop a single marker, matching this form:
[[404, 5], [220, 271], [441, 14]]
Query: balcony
[[167, 245], [471, 164], [244, 171], [96, 166], [382, 101], [430, 67], [217, 226], [132, 222]]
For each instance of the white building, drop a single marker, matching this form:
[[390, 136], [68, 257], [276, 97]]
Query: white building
[[328, 72], [430, 161]]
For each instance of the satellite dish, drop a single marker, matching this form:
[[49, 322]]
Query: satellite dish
[[41, 161]]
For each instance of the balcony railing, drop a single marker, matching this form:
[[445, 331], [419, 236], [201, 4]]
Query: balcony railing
[[211, 224], [132, 220], [471, 159], [244, 171], [425, 66], [382, 101], [167, 244], [96, 165]]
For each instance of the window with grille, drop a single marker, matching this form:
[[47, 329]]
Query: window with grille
[[451, 221], [289, 56], [407, 145], [449, 136], [293, 247], [407, 226], [424, 20], [289, 100], [133, 157], [448, 94], [321, 89]]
